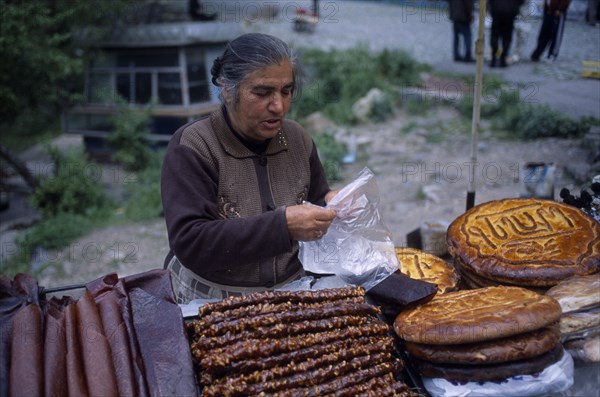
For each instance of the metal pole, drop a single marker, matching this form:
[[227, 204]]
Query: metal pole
[[479, 49]]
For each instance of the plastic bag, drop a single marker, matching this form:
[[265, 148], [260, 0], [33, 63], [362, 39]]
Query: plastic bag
[[358, 246], [555, 378]]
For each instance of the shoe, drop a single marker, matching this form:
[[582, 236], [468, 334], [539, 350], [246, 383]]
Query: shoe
[[469, 60], [535, 59], [503, 63], [493, 63], [458, 59]]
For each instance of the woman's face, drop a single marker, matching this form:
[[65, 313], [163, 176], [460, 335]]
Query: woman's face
[[264, 100]]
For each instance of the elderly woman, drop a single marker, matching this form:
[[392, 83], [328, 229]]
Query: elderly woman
[[234, 183]]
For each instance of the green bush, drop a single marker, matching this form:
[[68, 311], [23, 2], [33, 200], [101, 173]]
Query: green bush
[[60, 230], [73, 187], [144, 200], [330, 152], [338, 78], [382, 109], [526, 120], [129, 137], [540, 121]]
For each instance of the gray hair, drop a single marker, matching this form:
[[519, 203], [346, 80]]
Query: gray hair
[[248, 53]]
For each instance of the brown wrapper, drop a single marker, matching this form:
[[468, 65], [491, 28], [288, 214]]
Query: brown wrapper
[[55, 348], [99, 369], [161, 334], [26, 358], [76, 383], [110, 297], [16, 294]]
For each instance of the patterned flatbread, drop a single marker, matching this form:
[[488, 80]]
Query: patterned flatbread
[[423, 266], [526, 242], [517, 347], [470, 316]]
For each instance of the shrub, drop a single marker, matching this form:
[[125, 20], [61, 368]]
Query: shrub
[[527, 120], [74, 186], [144, 201], [330, 152], [338, 78], [129, 137]]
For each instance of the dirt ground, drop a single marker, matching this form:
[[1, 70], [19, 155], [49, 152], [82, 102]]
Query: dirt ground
[[421, 164]]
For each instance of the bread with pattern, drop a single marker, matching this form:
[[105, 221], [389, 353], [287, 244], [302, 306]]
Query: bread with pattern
[[525, 242], [513, 348], [469, 316], [424, 266]]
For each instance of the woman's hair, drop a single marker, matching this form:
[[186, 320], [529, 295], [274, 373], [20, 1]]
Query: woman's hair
[[247, 54]]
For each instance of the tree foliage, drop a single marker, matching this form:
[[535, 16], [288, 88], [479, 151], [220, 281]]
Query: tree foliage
[[41, 65]]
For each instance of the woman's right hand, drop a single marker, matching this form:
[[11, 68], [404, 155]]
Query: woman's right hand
[[308, 222]]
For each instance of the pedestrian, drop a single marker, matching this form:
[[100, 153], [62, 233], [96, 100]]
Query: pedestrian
[[461, 15], [234, 184], [550, 35], [503, 14], [593, 12]]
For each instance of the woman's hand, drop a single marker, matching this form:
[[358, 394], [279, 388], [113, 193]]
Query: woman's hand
[[308, 222]]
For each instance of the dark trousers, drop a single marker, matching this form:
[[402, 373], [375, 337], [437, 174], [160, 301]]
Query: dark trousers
[[547, 34], [462, 29], [502, 29]]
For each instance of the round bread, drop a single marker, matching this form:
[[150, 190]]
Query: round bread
[[423, 266], [577, 293], [490, 372], [470, 316], [575, 322], [473, 280], [526, 242], [517, 347]]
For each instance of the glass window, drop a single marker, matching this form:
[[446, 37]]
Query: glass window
[[143, 87], [124, 86], [169, 89], [147, 58], [98, 122], [196, 74], [100, 90]]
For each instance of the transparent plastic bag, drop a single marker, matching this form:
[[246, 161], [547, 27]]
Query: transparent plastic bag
[[358, 246]]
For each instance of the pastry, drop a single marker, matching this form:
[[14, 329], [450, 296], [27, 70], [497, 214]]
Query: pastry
[[577, 293], [423, 266], [490, 372], [513, 348], [526, 242], [470, 316]]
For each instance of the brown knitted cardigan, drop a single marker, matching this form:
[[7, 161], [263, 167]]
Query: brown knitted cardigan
[[224, 205]]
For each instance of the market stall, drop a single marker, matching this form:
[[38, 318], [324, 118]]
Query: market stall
[[512, 310]]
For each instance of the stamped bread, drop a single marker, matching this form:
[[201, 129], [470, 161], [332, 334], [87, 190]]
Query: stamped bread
[[469, 316], [424, 266], [513, 348], [525, 242]]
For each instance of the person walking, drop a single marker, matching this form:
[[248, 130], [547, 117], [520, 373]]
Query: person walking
[[461, 15], [550, 35], [503, 14]]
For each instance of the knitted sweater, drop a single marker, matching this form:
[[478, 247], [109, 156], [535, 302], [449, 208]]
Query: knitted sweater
[[224, 205]]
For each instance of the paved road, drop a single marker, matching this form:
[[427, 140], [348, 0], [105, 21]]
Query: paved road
[[426, 33]]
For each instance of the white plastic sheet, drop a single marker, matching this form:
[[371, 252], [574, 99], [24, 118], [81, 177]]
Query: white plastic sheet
[[358, 246], [556, 378]]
